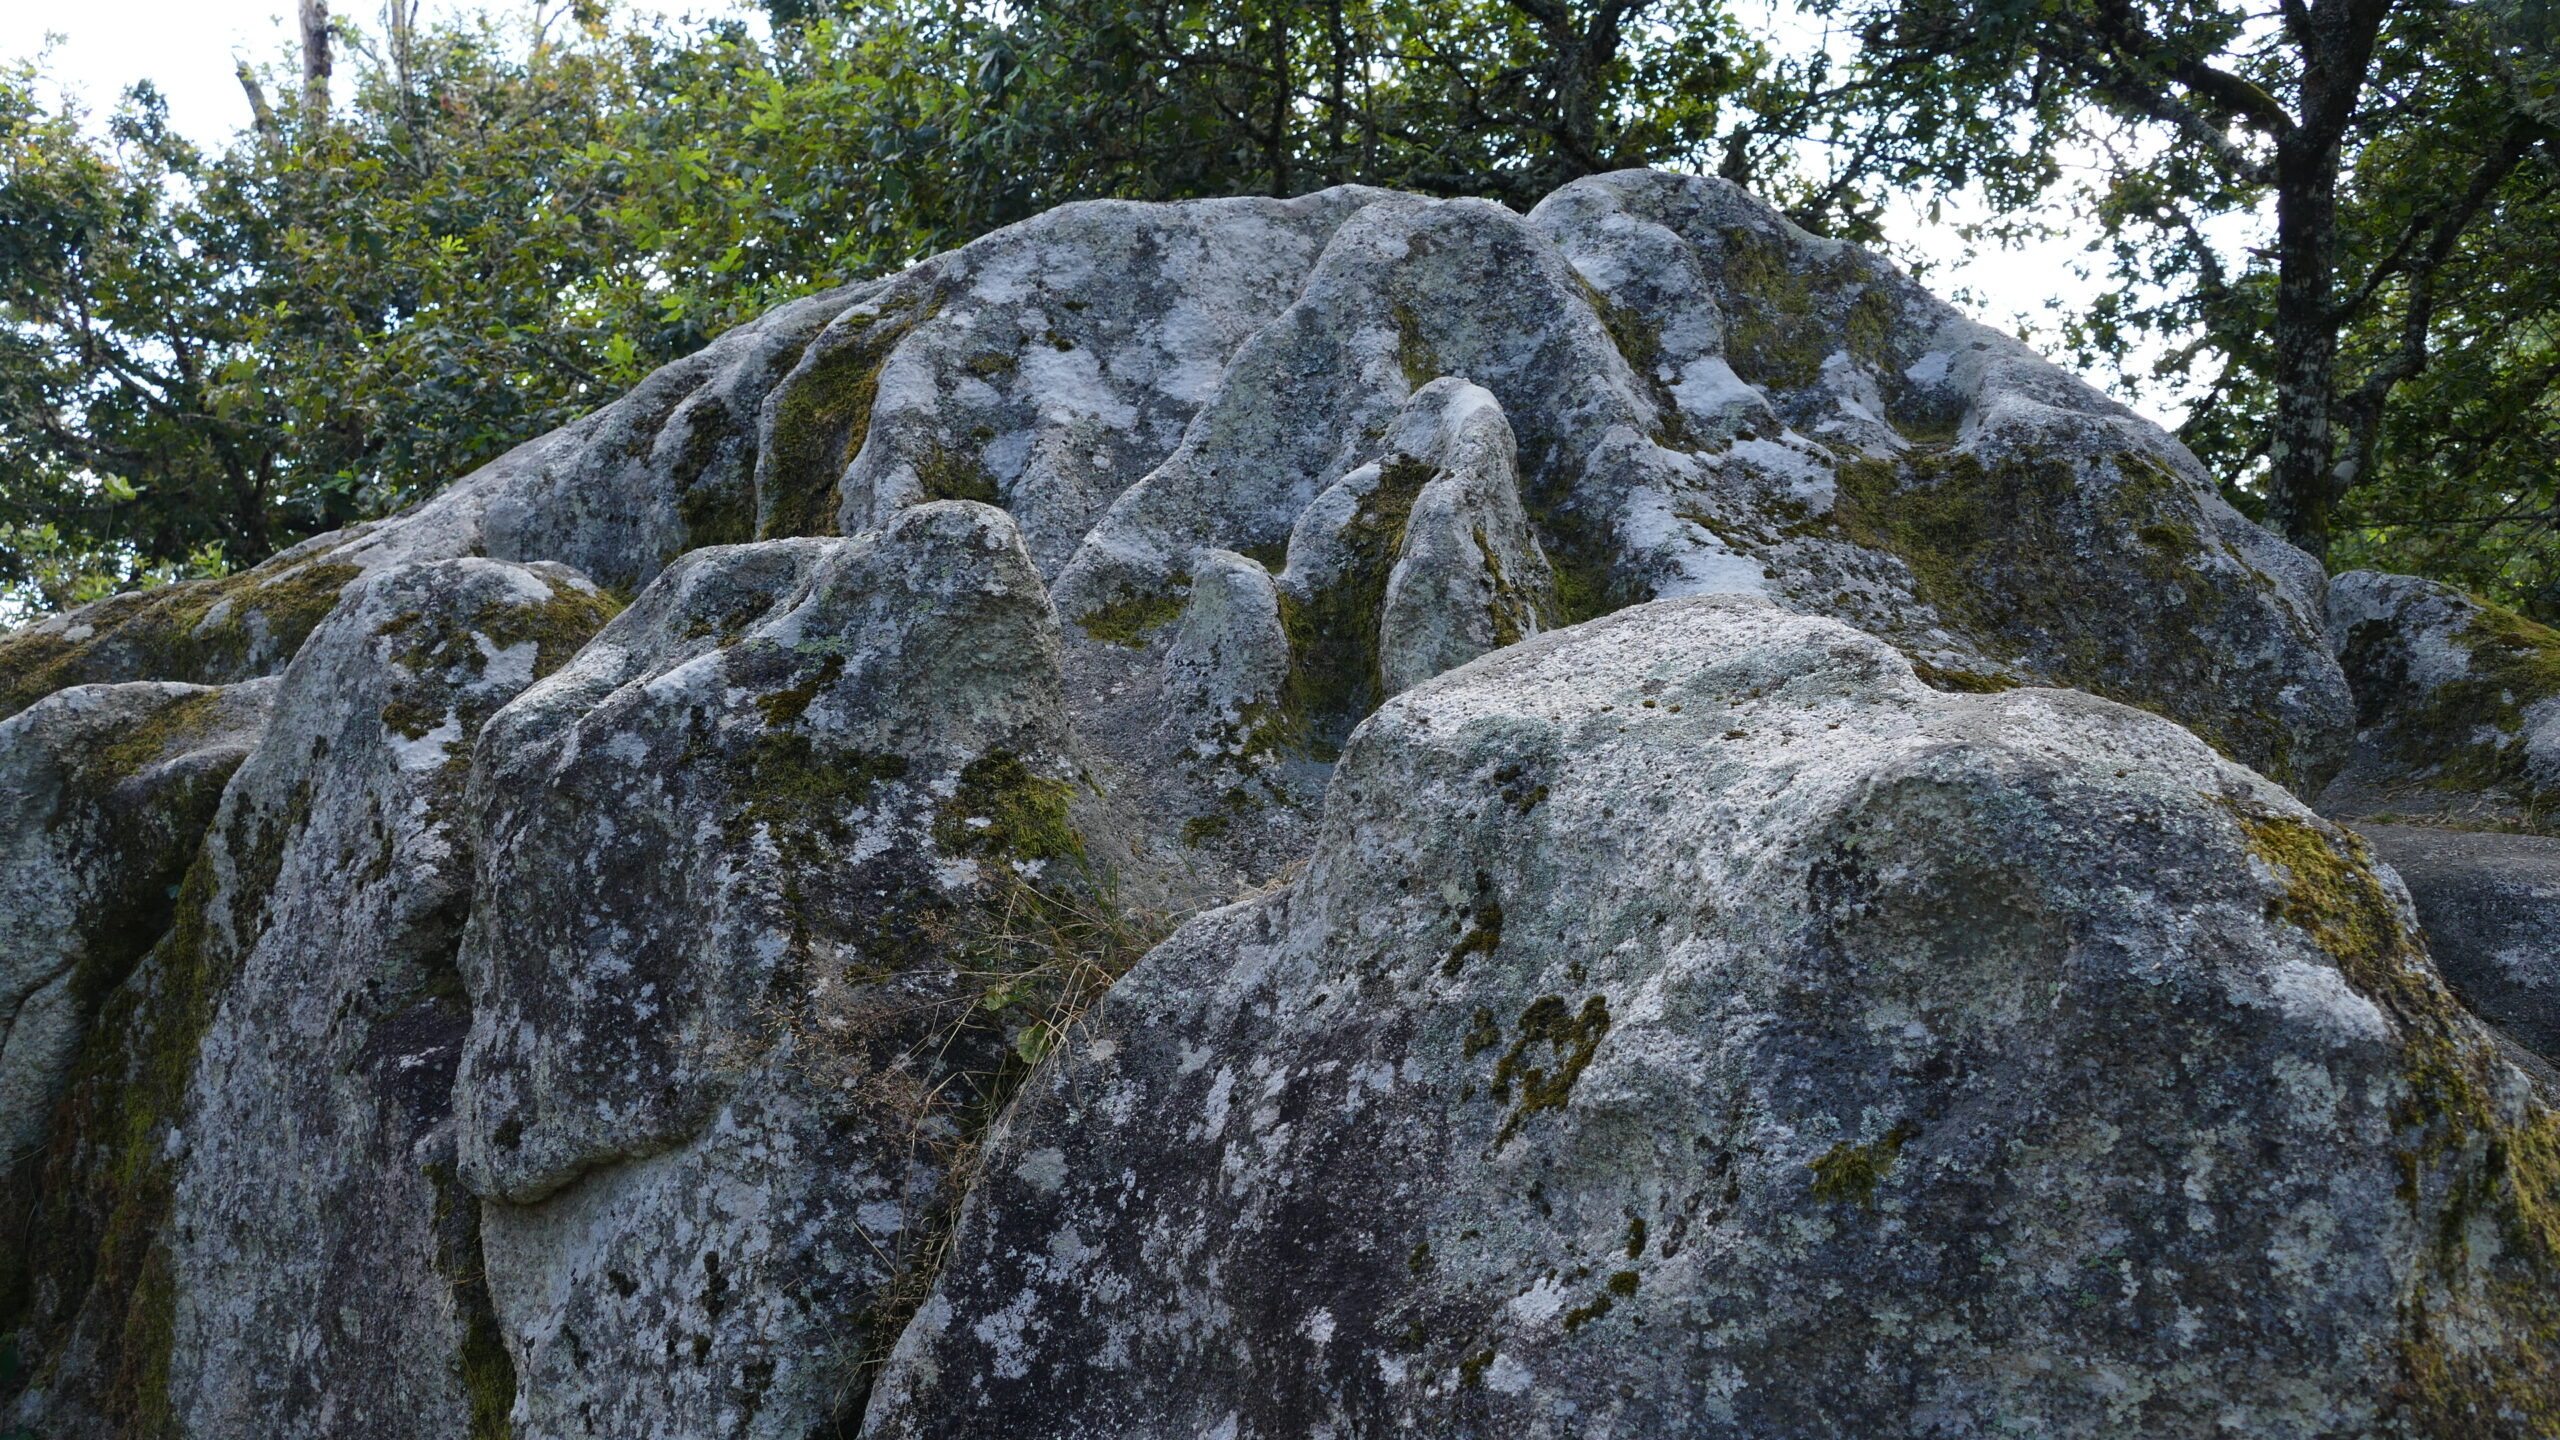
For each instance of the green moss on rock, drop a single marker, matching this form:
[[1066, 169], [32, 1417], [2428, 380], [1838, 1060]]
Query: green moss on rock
[[950, 474], [2467, 733], [715, 509], [1849, 1174], [2034, 559], [174, 632], [1414, 354], [105, 1180], [1002, 810], [1545, 1081], [820, 419], [170, 731], [1132, 618], [1333, 631], [2479, 1349]]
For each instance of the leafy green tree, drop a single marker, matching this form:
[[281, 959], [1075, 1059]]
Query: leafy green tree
[[2453, 432], [117, 358], [2389, 139], [204, 358]]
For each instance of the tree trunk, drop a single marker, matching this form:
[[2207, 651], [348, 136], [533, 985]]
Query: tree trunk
[[315, 56], [261, 114], [2301, 479], [1340, 88], [2335, 39], [1280, 98]]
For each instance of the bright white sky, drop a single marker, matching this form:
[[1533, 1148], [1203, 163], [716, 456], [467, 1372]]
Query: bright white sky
[[188, 47]]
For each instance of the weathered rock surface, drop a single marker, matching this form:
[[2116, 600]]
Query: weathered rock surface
[[716, 992], [2490, 905], [2457, 705], [323, 1260], [249, 1222], [1690, 1024], [104, 792], [977, 605]]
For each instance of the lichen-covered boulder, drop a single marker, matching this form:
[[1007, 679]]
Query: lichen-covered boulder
[[324, 1263], [1043, 368], [206, 632], [248, 1219], [1698, 398], [726, 968], [2490, 906], [2457, 705], [1279, 460], [1873, 455], [1691, 1024], [104, 792]]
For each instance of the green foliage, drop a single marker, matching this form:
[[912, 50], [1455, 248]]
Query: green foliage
[[2379, 379]]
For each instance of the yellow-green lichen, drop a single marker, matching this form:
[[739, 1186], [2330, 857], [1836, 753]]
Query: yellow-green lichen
[[1483, 928], [165, 733], [173, 633], [1333, 630], [1003, 810], [797, 793], [2021, 556], [1787, 315], [1414, 355], [952, 474], [2467, 733], [820, 419], [1849, 1174], [557, 628], [2479, 1346], [1513, 614], [785, 707]]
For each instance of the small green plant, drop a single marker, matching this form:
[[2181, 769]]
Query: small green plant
[[1032, 955]]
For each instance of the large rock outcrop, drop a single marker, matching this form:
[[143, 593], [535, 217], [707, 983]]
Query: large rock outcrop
[[586, 1026], [1692, 1025], [2457, 706]]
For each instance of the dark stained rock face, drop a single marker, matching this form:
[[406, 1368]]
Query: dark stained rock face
[[1687, 968], [2490, 904], [105, 791], [728, 856]]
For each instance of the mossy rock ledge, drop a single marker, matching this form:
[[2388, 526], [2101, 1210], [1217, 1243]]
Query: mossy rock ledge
[[1745, 838]]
